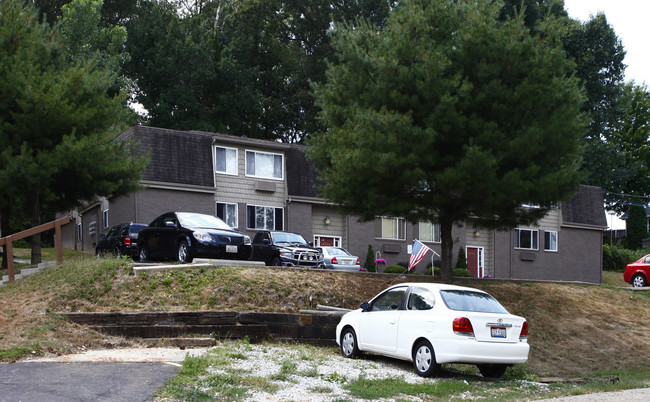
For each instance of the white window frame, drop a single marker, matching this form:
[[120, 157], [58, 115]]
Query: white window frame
[[397, 222], [546, 243], [337, 240], [433, 232], [227, 171], [225, 218], [80, 231], [254, 174], [534, 240], [105, 218], [275, 224]]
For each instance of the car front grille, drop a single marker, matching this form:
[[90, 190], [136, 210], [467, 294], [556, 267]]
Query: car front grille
[[305, 256], [230, 239]]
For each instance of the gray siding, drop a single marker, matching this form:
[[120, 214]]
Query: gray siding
[[122, 209], [254, 190], [154, 202], [298, 216], [579, 258]]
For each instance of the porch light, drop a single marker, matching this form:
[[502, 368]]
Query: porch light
[[327, 220], [476, 233]]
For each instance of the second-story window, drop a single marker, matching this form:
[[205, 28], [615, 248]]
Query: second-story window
[[225, 160], [265, 165]]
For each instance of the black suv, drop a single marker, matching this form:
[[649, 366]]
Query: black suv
[[285, 249], [120, 240]]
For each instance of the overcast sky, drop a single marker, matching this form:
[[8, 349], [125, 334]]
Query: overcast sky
[[630, 20]]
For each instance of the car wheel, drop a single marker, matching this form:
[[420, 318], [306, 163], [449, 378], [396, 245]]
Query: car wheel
[[275, 262], [144, 254], [349, 346], [184, 256], [639, 281], [424, 359], [492, 370]]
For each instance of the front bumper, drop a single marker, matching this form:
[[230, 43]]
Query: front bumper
[[297, 262], [218, 251]]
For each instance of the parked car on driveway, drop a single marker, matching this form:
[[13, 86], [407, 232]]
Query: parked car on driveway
[[339, 258], [185, 235], [120, 240], [430, 324], [637, 272], [285, 249]]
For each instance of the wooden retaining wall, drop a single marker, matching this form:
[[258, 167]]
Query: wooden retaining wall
[[311, 327]]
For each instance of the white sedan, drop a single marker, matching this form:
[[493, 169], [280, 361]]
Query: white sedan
[[430, 324]]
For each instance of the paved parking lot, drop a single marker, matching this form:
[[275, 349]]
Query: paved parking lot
[[56, 381]]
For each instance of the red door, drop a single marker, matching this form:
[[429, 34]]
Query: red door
[[326, 242], [473, 261]]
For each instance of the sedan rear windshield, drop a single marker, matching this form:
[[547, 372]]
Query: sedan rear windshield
[[135, 229], [465, 300]]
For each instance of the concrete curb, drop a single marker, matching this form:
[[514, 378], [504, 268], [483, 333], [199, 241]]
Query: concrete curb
[[140, 268]]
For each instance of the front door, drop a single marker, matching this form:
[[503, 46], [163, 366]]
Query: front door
[[475, 261]]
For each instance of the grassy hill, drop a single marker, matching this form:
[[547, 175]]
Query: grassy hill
[[575, 330]]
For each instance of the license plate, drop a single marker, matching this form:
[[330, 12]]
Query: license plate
[[498, 332], [231, 249]]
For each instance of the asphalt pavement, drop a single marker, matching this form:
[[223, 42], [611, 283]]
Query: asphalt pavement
[[55, 381]]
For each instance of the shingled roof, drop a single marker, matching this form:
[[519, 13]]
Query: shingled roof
[[176, 156], [585, 208], [301, 176]]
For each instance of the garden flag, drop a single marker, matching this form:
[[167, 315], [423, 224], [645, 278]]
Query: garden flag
[[417, 253]]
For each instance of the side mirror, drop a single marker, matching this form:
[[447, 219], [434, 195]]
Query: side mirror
[[311, 244], [170, 224], [266, 241], [365, 306]]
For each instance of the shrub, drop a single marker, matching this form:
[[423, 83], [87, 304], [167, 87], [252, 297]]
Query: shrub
[[461, 262], [369, 265], [437, 271], [395, 269], [461, 272], [615, 258]]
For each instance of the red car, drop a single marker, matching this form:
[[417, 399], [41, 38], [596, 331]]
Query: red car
[[637, 272]]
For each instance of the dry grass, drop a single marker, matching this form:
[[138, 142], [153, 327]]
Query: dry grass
[[575, 330]]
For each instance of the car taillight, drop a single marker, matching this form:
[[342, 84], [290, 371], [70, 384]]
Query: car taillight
[[358, 262], [127, 241], [524, 331], [334, 261], [462, 326]]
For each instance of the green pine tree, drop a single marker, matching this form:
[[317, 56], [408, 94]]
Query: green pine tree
[[370, 265], [58, 123], [461, 261], [449, 113]]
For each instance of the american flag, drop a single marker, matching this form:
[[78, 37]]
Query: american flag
[[417, 253]]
